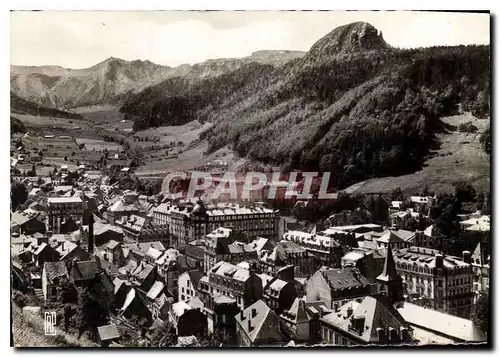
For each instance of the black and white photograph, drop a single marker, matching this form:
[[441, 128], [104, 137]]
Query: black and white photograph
[[250, 179]]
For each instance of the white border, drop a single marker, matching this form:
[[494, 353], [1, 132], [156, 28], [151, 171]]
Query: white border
[[187, 5]]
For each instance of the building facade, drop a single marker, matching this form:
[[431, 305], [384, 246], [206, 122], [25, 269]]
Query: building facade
[[191, 221], [443, 283], [60, 209]]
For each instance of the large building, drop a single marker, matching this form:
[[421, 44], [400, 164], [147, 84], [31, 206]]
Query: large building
[[190, 221], [336, 287], [443, 283], [60, 209], [231, 281]]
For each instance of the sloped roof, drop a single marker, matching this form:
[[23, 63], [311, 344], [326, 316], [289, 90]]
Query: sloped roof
[[55, 270], [297, 312], [108, 332], [260, 320], [155, 290], [375, 313], [195, 276], [449, 325], [19, 219], [349, 277], [112, 244], [85, 270]]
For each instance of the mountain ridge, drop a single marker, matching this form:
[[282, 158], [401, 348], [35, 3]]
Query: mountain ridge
[[114, 78]]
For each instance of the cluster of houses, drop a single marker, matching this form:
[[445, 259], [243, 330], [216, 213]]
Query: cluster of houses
[[223, 268]]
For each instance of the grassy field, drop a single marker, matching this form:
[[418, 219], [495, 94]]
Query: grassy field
[[459, 158], [98, 145]]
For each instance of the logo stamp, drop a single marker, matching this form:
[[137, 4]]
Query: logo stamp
[[50, 323]]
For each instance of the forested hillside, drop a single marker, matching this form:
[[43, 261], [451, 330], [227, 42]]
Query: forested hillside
[[352, 105]]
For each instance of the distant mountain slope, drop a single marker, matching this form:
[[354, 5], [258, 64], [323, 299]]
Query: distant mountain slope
[[113, 80], [352, 105], [22, 106], [16, 125]]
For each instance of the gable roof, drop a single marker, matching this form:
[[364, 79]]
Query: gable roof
[[84, 270], [195, 276], [257, 322]]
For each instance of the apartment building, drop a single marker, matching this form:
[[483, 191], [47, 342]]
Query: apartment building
[[441, 282], [188, 221], [61, 209]]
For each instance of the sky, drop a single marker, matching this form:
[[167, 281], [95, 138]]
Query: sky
[[81, 39]]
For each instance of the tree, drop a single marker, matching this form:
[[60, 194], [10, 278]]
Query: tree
[[397, 195], [464, 192], [480, 313], [163, 336], [94, 305], [18, 194]]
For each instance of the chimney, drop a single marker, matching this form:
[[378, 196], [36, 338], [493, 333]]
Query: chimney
[[91, 234], [254, 312], [380, 334], [403, 331], [242, 316], [250, 325], [349, 311], [466, 256], [439, 261], [393, 335]]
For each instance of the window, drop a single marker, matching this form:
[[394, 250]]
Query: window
[[182, 297], [183, 289], [337, 339]]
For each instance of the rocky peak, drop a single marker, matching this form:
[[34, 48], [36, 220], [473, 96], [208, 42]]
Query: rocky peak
[[350, 38]]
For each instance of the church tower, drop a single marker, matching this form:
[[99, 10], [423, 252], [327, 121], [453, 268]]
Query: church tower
[[390, 283]]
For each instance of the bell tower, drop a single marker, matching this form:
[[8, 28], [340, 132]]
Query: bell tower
[[390, 282]]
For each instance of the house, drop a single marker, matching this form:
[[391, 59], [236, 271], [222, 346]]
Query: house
[[45, 253], [107, 334], [235, 282], [397, 238], [144, 276], [287, 253], [337, 286], [279, 294], [113, 252], [258, 325], [52, 274], [26, 224], [301, 322], [134, 306], [372, 321], [431, 326], [81, 272], [369, 262], [104, 233], [481, 270], [157, 298], [188, 285], [69, 251], [188, 320]]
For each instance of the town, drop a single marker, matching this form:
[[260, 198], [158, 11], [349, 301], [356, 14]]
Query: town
[[130, 266]]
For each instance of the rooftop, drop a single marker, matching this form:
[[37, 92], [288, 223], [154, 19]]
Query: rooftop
[[453, 326]]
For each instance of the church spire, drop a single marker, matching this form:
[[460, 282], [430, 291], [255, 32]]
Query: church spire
[[389, 273], [390, 282]]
